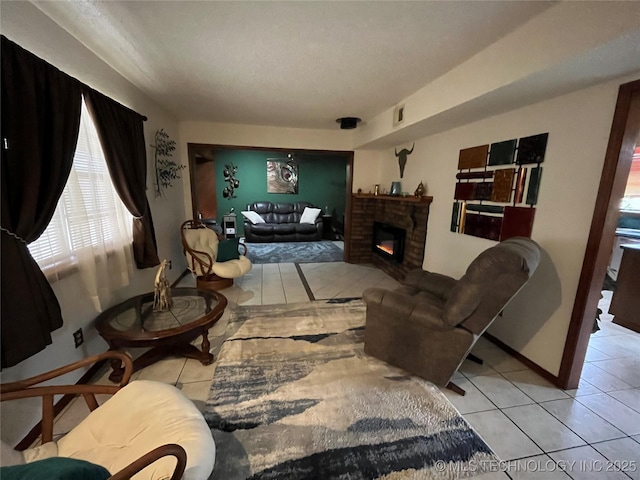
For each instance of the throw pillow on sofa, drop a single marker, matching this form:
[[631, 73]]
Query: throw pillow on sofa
[[309, 215], [253, 217]]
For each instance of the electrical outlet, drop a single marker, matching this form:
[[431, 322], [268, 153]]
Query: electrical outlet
[[78, 339]]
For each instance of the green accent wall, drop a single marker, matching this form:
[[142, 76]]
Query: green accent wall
[[321, 181]]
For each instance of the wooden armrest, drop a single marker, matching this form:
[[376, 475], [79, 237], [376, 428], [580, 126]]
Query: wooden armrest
[[147, 459], [28, 388], [124, 357], [196, 254], [205, 265]]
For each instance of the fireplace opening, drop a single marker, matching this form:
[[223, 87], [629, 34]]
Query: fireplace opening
[[388, 241]]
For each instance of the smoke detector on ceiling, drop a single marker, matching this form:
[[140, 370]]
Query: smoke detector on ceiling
[[348, 123]]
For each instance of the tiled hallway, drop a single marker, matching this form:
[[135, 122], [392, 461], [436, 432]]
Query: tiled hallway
[[532, 425], [529, 423]]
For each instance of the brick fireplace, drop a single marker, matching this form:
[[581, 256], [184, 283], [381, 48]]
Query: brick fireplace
[[407, 213]]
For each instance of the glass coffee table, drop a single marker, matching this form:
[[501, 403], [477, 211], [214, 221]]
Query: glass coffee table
[[133, 323]]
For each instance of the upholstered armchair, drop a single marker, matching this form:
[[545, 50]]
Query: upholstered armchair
[[146, 429], [213, 261], [429, 325]]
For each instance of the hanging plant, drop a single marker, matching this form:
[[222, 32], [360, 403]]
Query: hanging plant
[[166, 169]]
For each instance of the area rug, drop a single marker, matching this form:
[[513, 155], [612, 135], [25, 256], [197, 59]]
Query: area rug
[[295, 397], [294, 252]]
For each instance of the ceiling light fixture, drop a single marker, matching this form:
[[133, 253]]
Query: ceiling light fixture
[[348, 123]]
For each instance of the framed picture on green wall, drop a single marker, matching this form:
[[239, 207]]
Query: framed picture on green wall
[[282, 176]]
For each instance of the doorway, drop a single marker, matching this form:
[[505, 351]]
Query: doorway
[[625, 130], [203, 182], [318, 181]]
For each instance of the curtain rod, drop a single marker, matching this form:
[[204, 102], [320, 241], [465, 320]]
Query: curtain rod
[[84, 85]]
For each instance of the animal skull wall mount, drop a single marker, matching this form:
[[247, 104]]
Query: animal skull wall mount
[[402, 158]]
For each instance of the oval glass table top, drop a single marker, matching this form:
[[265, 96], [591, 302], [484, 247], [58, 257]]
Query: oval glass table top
[[136, 317]]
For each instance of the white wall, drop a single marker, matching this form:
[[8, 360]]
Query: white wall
[[366, 169], [536, 323], [24, 24]]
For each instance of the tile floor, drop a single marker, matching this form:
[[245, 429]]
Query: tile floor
[[538, 430]]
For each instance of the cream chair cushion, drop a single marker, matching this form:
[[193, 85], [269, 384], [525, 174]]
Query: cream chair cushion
[[232, 268], [140, 417]]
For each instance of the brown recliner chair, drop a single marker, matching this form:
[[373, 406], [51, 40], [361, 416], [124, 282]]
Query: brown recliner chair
[[429, 325]]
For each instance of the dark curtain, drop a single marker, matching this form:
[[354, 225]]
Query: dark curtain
[[122, 138], [40, 123]]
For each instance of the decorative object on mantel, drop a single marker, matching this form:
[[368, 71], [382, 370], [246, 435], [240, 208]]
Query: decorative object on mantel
[[510, 163], [166, 169], [162, 300], [420, 191], [402, 158], [396, 189], [398, 198], [230, 177]]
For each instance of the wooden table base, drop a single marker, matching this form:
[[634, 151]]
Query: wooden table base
[[134, 323], [156, 353]]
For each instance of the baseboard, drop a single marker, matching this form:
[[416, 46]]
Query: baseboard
[[60, 405], [518, 356]]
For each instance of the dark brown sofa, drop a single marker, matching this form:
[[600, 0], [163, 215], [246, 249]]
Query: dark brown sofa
[[282, 223], [429, 325]]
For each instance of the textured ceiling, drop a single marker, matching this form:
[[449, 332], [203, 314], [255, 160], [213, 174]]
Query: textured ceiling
[[295, 64]]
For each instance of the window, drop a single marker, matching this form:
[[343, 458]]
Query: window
[[90, 219], [631, 199]]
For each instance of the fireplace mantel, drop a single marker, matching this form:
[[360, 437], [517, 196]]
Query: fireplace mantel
[[409, 213], [393, 198]]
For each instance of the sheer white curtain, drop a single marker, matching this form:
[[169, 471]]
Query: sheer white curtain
[[90, 231]]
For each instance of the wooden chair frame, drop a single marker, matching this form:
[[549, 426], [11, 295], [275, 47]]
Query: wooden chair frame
[[30, 388]]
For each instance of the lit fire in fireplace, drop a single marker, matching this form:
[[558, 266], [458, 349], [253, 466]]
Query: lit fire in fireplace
[[388, 242], [386, 247]]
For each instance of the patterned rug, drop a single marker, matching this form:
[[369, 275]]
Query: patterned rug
[[294, 252], [295, 397]]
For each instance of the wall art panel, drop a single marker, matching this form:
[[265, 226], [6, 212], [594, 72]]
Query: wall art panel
[[497, 186]]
